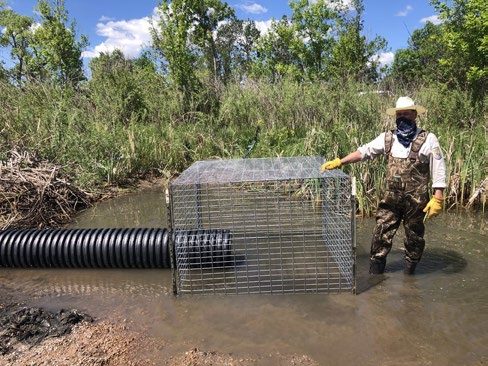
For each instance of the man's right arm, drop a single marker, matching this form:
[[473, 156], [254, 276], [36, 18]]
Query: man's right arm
[[353, 157], [373, 149], [368, 151]]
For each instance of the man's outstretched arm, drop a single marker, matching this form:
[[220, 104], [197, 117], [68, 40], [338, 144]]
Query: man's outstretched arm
[[368, 151], [353, 157]]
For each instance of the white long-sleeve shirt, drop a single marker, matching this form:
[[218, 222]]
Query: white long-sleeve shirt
[[430, 151]]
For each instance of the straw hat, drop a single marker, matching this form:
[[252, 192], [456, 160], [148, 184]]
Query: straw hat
[[405, 103]]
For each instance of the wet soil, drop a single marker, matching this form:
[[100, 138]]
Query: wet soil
[[30, 325]]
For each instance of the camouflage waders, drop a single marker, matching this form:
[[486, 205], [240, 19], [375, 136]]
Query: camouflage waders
[[406, 196]]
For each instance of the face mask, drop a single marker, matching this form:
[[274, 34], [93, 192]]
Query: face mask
[[406, 130]]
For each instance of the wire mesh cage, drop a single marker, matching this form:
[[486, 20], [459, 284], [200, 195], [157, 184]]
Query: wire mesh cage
[[262, 226]]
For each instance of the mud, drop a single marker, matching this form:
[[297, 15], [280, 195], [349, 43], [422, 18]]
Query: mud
[[88, 344], [30, 325], [31, 335]]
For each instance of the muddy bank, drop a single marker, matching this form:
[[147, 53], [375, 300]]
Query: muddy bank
[[101, 343], [23, 325], [32, 335], [111, 343], [38, 336], [196, 357]]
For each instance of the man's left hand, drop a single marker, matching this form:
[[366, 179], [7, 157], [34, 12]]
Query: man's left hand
[[433, 208]]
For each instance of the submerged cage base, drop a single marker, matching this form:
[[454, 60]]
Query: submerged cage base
[[273, 226]]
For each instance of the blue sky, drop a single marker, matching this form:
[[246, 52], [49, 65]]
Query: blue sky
[[113, 24]]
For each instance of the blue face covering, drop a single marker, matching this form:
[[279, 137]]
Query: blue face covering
[[406, 130]]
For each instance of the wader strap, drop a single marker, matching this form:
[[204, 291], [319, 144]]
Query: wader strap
[[417, 144], [388, 142]]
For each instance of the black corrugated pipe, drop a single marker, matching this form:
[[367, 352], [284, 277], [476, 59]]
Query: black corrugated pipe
[[85, 248], [204, 248], [112, 248]]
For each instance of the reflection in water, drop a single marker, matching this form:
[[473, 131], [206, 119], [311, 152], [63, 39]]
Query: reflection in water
[[437, 317], [63, 282], [436, 259], [132, 211]]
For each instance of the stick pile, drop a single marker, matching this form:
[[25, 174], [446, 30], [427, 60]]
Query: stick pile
[[34, 193]]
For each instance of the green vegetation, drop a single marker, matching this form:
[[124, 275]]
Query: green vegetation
[[176, 104], [44, 51], [454, 52], [129, 124]]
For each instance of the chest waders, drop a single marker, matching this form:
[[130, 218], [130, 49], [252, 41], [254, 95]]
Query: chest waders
[[405, 197]]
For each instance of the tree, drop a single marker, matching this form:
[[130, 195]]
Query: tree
[[186, 34], [57, 52], [316, 25], [420, 60], [235, 41], [172, 40], [16, 33], [3, 72], [280, 52], [246, 44], [301, 46], [320, 41], [207, 16], [115, 88], [352, 54], [465, 38]]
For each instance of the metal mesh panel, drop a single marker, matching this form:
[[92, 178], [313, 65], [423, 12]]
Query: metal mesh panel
[[262, 226]]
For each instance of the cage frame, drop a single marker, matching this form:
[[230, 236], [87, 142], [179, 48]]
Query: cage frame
[[176, 279]]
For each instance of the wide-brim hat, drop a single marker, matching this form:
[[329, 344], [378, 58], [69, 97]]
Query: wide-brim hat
[[404, 104]]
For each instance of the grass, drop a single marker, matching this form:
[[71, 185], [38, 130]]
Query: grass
[[110, 135]]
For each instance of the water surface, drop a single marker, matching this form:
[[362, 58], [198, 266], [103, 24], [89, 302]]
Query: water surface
[[438, 317]]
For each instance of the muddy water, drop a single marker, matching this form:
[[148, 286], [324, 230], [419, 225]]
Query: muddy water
[[438, 317]]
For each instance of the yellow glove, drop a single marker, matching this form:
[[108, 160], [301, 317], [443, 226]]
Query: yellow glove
[[329, 165], [433, 208]]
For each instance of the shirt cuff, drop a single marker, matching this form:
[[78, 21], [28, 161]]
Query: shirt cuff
[[439, 185], [362, 150]]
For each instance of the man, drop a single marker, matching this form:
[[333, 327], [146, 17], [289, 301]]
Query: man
[[413, 155]]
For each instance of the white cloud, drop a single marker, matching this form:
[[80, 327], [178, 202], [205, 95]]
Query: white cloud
[[404, 12], [253, 8], [263, 25], [35, 26], [129, 36], [384, 58], [338, 4], [103, 18], [343, 5], [434, 19]]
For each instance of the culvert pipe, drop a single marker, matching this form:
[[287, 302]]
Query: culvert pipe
[[85, 248], [204, 248], [112, 248]]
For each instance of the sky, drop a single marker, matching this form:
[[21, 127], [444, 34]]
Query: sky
[[111, 24]]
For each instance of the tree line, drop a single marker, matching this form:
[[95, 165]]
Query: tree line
[[202, 44]]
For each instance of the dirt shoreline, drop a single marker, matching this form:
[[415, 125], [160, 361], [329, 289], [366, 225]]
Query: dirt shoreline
[[112, 341]]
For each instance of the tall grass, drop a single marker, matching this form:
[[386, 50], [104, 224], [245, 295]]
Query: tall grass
[[110, 135]]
